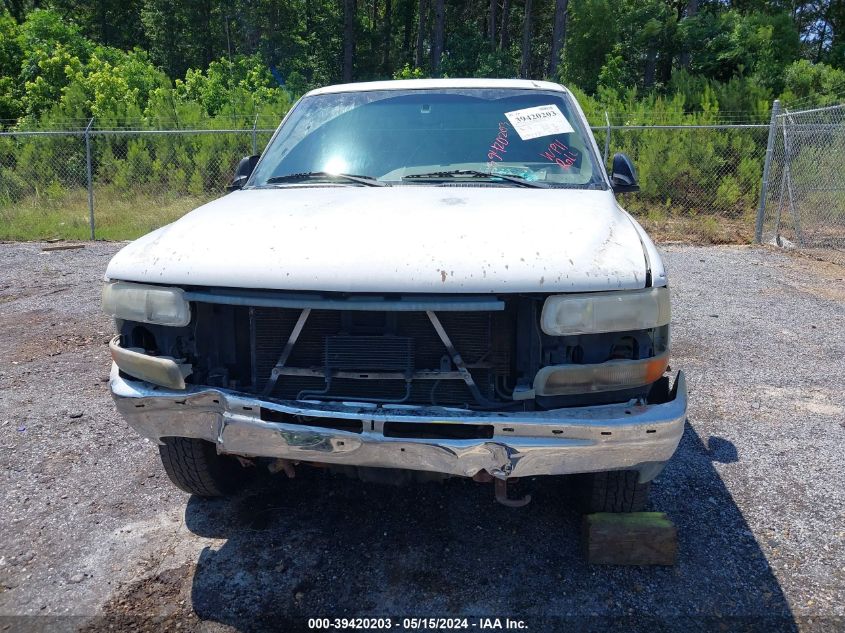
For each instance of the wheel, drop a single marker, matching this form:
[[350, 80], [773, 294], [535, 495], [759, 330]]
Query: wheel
[[614, 491], [195, 467]]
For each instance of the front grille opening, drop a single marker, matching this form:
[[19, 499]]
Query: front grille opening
[[338, 424], [355, 347], [434, 431]]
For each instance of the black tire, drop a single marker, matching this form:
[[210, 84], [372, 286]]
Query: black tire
[[614, 491], [195, 467]]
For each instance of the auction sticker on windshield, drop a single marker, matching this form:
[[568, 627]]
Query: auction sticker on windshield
[[539, 121]]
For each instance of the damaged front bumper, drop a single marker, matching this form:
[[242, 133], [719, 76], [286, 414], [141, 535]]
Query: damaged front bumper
[[505, 444]]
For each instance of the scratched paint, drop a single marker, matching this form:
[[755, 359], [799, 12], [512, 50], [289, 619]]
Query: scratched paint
[[398, 239]]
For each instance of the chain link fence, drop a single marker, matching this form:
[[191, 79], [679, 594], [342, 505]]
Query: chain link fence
[[804, 202], [113, 184], [699, 183]]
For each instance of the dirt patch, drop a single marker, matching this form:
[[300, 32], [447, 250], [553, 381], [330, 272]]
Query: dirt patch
[[159, 603], [823, 277], [58, 335]]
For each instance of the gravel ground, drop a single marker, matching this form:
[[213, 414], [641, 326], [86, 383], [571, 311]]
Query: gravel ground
[[93, 535]]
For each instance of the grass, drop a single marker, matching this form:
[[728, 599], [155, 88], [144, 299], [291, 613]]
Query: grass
[[118, 215], [697, 229], [126, 215]]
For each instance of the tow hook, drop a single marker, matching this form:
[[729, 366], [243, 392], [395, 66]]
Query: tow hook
[[501, 488], [282, 465]]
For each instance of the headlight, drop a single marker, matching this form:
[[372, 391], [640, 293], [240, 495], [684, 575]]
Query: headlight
[[147, 304], [599, 312], [562, 380]]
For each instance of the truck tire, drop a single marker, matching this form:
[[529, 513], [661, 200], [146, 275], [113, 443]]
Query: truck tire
[[614, 491], [194, 466]]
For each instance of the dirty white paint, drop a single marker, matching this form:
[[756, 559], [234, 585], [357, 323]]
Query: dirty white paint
[[396, 239], [428, 84], [659, 274]]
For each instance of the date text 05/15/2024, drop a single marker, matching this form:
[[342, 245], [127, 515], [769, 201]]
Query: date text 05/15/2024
[[417, 624]]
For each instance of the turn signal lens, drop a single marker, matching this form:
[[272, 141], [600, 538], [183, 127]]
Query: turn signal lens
[[563, 380], [155, 369]]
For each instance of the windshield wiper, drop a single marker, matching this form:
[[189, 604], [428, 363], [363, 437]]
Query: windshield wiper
[[474, 174], [368, 181]]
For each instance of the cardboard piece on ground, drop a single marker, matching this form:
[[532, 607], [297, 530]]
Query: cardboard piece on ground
[[636, 538]]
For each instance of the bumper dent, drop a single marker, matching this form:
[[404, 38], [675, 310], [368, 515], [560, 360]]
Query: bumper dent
[[563, 441]]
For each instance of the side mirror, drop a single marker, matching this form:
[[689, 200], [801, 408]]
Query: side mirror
[[624, 176], [242, 173]]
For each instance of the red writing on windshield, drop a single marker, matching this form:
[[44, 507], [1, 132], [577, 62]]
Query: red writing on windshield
[[561, 154], [499, 146]]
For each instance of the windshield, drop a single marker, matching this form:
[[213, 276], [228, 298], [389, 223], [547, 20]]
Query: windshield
[[430, 137]]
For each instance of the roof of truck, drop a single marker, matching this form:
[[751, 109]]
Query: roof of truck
[[426, 84]]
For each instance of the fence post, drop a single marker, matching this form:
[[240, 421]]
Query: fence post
[[90, 176], [787, 147], [606, 137], [761, 209], [254, 139]]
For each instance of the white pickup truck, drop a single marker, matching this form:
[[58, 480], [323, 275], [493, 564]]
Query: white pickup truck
[[427, 276]]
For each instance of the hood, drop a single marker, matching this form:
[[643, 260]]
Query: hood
[[404, 239]]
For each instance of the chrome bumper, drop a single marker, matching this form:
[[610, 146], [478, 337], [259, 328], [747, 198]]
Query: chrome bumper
[[524, 444]]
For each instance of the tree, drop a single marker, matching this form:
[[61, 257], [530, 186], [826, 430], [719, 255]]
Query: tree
[[408, 13], [17, 9], [619, 45], [387, 38], [504, 31], [348, 38], [421, 31], [558, 35], [167, 26], [491, 24], [730, 44], [804, 80], [11, 57], [437, 40], [691, 11], [526, 41], [597, 45], [111, 22]]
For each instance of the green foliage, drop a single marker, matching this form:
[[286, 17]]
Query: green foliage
[[633, 43], [592, 32], [731, 44], [240, 85], [470, 55], [11, 57], [804, 80], [50, 72], [53, 51], [247, 56], [406, 72], [738, 95]]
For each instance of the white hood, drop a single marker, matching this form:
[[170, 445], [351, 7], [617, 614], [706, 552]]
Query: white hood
[[405, 239]]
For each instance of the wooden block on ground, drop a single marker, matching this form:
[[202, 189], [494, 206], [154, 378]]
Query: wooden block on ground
[[635, 538], [62, 247]]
